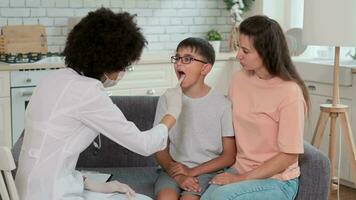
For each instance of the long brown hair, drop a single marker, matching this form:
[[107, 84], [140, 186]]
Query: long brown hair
[[269, 41]]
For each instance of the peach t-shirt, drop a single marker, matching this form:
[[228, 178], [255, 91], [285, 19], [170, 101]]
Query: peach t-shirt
[[268, 117]]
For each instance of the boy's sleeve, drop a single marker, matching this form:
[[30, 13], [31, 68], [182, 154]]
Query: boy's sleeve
[[160, 110], [226, 122]]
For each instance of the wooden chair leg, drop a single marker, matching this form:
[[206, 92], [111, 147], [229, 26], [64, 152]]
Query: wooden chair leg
[[332, 150], [319, 130], [349, 140]]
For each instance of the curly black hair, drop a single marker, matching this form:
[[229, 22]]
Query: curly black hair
[[103, 41]]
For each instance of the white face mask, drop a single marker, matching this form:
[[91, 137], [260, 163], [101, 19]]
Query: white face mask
[[109, 83]]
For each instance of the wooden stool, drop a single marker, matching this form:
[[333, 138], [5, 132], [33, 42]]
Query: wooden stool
[[329, 111]]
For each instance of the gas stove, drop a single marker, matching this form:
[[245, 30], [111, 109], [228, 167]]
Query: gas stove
[[27, 58]]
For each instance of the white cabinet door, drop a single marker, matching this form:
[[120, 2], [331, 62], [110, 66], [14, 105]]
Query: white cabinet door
[[146, 76], [145, 79], [118, 92], [148, 91], [220, 75], [4, 84], [5, 122]]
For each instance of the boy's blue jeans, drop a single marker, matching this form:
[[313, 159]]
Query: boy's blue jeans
[[266, 189]]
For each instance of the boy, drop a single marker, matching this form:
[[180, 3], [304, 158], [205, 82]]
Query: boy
[[202, 141]]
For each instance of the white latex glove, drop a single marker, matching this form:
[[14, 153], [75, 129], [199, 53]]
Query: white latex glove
[[109, 187], [173, 98]]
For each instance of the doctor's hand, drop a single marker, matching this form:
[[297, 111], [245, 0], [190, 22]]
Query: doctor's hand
[[173, 98], [122, 188], [109, 187]]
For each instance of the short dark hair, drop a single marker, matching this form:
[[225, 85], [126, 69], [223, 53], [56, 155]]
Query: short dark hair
[[200, 46], [103, 41]]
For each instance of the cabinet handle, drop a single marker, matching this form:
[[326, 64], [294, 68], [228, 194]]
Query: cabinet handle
[[28, 80], [329, 101], [312, 87], [151, 92], [26, 93], [130, 69]]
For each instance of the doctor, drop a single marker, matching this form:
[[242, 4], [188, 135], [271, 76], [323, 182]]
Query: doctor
[[70, 107]]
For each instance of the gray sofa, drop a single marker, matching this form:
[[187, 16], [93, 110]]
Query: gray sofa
[[141, 172]]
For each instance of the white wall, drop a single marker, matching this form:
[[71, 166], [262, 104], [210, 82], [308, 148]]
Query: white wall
[[275, 9], [164, 22], [286, 12]]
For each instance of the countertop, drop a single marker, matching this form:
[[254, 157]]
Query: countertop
[[148, 58], [327, 62], [164, 57]]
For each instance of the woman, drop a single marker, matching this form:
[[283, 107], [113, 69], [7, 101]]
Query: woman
[[70, 107], [269, 102]]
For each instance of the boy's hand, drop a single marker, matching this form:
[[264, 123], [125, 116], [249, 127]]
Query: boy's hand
[[187, 183], [177, 168]]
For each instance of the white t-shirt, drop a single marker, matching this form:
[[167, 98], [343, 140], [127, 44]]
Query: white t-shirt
[[197, 136]]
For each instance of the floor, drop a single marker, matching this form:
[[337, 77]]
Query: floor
[[346, 193]]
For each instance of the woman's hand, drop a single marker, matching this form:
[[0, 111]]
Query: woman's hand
[[226, 178], [187, 183], [177, 168]]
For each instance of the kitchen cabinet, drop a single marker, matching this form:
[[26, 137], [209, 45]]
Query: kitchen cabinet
[[318, 79], [145, 79], [4, 84], [220, 75], [5, 122], [5, 112]]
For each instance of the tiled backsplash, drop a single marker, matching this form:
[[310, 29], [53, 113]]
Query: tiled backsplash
[[164, 22]]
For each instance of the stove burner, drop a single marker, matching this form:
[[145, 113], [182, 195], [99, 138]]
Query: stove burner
[[26, 58]]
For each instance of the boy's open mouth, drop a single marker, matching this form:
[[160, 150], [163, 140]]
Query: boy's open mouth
[[180, 74]]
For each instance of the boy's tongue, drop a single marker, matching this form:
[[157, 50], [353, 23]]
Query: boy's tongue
[[181, 78], [181, 74]]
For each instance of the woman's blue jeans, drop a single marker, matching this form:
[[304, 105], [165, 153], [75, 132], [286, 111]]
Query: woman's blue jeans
[[266, 189]]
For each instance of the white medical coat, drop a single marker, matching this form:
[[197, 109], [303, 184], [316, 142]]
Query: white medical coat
[[66, 112]]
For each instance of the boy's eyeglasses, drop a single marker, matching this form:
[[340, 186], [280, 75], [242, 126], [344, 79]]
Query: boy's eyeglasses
[[185, 59]]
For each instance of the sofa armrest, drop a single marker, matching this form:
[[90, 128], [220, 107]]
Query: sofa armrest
[[314, 174]]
